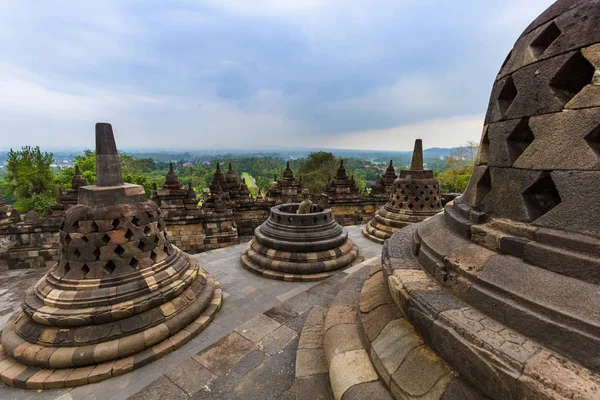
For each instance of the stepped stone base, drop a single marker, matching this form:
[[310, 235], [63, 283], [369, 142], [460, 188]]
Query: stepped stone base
[[57, 367], [500, 362], [289, 266]]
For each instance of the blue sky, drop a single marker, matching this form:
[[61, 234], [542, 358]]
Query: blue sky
[[238, 73]]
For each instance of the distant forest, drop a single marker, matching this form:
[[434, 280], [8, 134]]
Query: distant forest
[[30, 178]]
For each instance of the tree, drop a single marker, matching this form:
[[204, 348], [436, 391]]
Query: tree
[[316, 169], [459, 169], [29, 179]]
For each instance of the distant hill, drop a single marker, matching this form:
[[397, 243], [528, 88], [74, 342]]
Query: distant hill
[[436, 152]]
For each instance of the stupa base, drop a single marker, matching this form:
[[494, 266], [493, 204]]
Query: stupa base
[[108, 357], [497, 360], [298, 267]]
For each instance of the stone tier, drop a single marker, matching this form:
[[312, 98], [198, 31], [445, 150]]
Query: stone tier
[[304, 247], [485, 314]]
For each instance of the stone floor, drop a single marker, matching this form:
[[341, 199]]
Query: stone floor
[[247, 352]]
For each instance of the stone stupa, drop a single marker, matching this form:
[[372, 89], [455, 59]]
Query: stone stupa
[[415, 197], [120, 297], [299, 247], [504, 286]]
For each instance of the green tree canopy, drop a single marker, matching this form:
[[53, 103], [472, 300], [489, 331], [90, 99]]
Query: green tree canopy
[[459, 169], [316, 169], [29, 180]]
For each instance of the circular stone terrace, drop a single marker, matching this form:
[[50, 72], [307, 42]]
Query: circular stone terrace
[[254, 348]]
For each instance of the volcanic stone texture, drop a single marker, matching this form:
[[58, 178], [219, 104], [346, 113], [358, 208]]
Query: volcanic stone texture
[[504, 285], [305, 247]]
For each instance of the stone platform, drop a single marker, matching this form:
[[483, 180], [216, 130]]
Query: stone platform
[[247, 352]]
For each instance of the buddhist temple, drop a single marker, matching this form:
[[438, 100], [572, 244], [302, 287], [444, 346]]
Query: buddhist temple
[[502, 288], [342, 187], [299, 247], [416, 197], [285, 190], [120, 297]]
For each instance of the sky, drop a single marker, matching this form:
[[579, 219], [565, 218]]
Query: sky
[[183, 74]]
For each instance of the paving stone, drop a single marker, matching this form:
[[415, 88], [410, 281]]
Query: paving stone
[[190, 376], [393, 345], [297, 323], [369, 390], [314, 387], [257, 328], [310, 362], [281, 313], [422, 373], [340, 315], [311, 337], [374, 321], [275, 341], [349, 369], [160, 389], [302, 302], [340, 339], [223, 355], [347, 298]]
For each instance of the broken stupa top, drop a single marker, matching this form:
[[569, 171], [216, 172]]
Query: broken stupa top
[[109, 188]]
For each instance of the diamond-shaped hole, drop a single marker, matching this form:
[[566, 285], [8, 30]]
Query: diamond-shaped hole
[[545, 39], [145, 246], [593, 140], [97, 253], [147, 230], [115, 223], [119, 250], [67, 239], [85, 269], [129, 234], [519, 139], [135, 220], [77, 253], [507, 95], [410, 205], [134, 262], [95, 227], [105, 239], [85, 239], [109, 268], [541, 196], [573, 76], [67, 268], [153, 256]]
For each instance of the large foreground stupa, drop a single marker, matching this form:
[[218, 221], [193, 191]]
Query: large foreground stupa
[[505, 285], [120, 297], [415, 197]]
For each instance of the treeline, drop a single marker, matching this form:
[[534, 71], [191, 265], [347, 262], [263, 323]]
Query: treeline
[[29, 182]]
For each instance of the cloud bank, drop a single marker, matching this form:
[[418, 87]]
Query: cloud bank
[[233, 73]]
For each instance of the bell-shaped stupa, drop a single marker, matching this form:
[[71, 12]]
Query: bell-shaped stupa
[[297, 245], [505, 285], [120, 297], [414, 198]]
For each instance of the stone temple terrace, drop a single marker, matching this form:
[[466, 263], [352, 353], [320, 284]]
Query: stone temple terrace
[[402, 293]]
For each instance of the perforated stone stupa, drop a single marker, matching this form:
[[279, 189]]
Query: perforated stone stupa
[[416, 196], [504, 285], [299, 247], [120, 297]]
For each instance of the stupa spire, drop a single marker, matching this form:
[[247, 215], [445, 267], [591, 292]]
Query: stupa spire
[[108, 168], [417, 158]]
